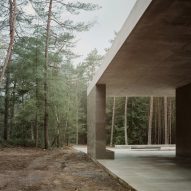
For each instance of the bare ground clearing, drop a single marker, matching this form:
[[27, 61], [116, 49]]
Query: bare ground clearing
[[29, 169]]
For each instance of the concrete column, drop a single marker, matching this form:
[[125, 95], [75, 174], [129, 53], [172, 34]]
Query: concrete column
[[183, 121], [96, 124]]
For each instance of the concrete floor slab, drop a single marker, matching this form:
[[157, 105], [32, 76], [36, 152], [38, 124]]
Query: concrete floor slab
[[147, 170]]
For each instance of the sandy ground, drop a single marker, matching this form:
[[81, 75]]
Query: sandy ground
[[27, 169]]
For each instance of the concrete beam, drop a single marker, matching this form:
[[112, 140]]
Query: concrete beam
[[133, 18]]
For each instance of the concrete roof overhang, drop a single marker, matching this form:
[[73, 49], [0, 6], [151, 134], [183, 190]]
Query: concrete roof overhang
[[152, 53]]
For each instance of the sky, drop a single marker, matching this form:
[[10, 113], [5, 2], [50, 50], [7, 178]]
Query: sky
[[109, 19]]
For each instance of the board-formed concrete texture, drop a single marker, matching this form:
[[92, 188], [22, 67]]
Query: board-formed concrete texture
[[151, 56]]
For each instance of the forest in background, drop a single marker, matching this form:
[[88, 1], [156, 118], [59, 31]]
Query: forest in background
[[43, 96], [140, 120]]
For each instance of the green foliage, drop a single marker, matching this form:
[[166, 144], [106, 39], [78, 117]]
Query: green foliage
[[91, 64], [66, 84], [67, 99], [137, 120]]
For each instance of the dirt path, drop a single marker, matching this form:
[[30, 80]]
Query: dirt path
[[57, 170]]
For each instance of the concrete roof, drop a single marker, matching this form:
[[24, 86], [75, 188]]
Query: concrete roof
[[152, 53]]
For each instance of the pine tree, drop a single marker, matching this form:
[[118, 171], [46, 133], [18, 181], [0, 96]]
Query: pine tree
[[12, 26]]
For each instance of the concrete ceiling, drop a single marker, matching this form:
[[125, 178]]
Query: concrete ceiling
[[152, 53]]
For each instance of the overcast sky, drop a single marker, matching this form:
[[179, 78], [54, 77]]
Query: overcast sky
[[109, 19]]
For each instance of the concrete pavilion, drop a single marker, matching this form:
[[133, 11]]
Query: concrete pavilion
[[151, 56]]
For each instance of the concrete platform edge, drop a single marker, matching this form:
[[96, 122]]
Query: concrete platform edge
[[114, 176]]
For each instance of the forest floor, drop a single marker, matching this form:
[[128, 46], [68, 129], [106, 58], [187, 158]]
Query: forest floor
[[29, 169]]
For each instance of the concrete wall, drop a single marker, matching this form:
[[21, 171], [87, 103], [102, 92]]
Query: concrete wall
[[96, 124], [183, 121]]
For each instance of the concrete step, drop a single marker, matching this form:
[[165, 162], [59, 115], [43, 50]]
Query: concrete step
[[149, 147]]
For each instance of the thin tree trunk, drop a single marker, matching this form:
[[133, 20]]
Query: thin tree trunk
[[58, 128], [150, 121], [77, 113], [46, 77], [36, 117], [170, 119], [113, 122], [12, 110], [165, 121], [36, 95], [155, 117], [32, 131], [77, 128], [66, 129], [12, 25], [66, 133], [125, 121], [6, 114], [36, 130], [159, 120]]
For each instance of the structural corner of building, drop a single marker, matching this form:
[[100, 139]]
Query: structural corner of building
[[96, 117]]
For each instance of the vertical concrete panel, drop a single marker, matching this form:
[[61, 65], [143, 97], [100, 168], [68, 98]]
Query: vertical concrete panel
[[100, 119], [96, 123], [91, 110], [183, 121]]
